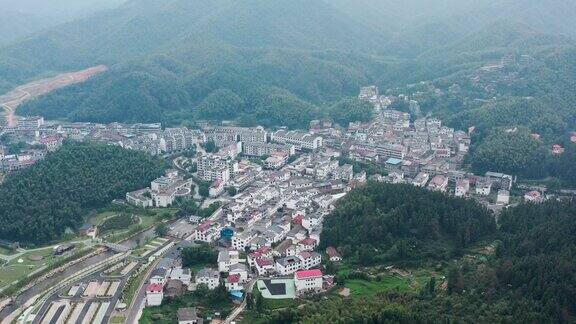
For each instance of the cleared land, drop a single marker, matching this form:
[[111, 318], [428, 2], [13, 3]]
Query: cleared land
[[11, 100], [359, 287]]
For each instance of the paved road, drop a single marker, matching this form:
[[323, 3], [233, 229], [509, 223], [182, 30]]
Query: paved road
[[138, 302], [240, 308]]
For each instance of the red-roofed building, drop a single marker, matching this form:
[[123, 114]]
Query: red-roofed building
[[154, 294], [333, 254], [233, 283], [557, 149], [298, 219], [308, 280], [307, 244], [533, 196], [264, 266]]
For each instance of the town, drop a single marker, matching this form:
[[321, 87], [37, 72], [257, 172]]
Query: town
[[271, 190]]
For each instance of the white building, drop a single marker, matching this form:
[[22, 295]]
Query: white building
[[233, 283], [242, 240], [209, 277], [483, 187], [462, 187], [154, 294], [301, 140], [226, 259], [438, 183], [309, 259], [308, 280], [179, 273], [158, 276], [503, 197], [240, 270], [288, 265]]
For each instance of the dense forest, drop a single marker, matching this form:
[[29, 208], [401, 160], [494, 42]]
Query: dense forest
[[382, 223], [39, 203], [530, 277], [338, 310], [181, 60]]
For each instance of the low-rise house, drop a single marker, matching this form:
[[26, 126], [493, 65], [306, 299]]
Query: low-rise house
[[209, 277], [158, 276], [242, 240], [227, 258], [240, 270], [233, 283], [181, 274], [503, 197], [557, 149], [307, 244], [264, 266], [421, 179], [188, 315], [533, 196], [483, 187], [207, 232], [333, 255], [154, 294], [438, 183], [462, 187], [309, 259], [308, 280], [288, 265], [261, 253]]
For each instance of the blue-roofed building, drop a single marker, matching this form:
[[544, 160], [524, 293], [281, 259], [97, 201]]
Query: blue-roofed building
[[394, 161]]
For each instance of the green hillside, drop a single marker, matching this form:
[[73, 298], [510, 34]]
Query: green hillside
[[39, 203]]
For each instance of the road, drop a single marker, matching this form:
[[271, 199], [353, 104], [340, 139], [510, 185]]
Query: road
[[138, 302], [11, 100], [242, 306], [23, 299]]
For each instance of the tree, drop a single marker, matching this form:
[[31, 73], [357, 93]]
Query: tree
[[60, 190], [455, 280], [204, 189], [210, 146], [249, 301], [231, 191], [203, 254], [161, 229], [259, 303]]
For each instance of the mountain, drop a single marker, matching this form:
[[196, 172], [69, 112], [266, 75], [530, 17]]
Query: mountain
[[22, 18], [166, 57]]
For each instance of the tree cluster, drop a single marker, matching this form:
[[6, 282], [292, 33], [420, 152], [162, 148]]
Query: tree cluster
[[39, 203]]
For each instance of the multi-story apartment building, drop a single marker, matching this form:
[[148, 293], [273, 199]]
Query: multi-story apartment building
[[301, 140]]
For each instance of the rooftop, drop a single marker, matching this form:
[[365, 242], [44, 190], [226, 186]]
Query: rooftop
[[307, 274]]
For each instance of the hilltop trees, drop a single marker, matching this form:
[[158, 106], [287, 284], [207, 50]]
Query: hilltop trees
[[383, 222], [39, 203]]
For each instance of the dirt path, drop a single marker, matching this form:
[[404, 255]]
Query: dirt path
[[11, 100]]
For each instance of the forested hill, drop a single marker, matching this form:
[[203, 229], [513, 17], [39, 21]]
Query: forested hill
[[529, 278], [39, 203], [382, 223], [167, 57]]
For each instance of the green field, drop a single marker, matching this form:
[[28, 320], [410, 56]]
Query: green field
[[360, 287], [14, 270], [5, 251]]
